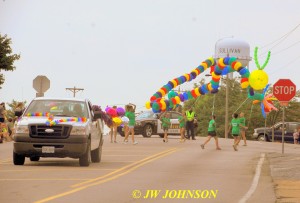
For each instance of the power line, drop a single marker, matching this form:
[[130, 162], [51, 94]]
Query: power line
[[282, 38], [289, 63], [286, 48]]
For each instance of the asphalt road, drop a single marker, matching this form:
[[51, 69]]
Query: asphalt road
[[151, 171]]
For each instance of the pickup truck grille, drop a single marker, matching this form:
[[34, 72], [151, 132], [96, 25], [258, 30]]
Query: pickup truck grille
[[44, 131]]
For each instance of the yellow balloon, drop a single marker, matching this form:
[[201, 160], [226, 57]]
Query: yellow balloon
[[197, 91], [117, 121], [245, 84], [212, 60], [177, 98], [221, 63], [209, 87], [163, 105], [237, 66], [148, 105], [258, 79]]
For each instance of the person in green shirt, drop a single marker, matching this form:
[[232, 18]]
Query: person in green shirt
[[212, 133], [182, 121], [235, 130], [243, 128], [166, 123], [130, 114]]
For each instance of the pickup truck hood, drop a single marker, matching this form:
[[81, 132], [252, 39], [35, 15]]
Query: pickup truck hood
[[42, 120], [262, 129]]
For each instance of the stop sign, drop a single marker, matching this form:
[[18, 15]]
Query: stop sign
[[284, 90], [41, 84]]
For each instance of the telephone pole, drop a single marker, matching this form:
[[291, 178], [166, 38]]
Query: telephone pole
[[74, 90]]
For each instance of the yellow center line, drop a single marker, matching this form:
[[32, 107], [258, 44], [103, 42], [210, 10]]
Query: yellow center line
[[43, 179], [124, 168], [95, 181], [5, 160]]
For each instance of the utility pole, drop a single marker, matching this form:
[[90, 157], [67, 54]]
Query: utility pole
[[74, 90]]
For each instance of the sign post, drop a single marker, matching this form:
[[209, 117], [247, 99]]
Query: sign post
[[284, 90], [41, 84]]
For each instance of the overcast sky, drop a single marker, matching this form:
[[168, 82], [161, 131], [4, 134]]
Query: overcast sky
[[124, 51]]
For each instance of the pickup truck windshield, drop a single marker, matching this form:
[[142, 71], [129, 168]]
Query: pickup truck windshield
[[58, 108]]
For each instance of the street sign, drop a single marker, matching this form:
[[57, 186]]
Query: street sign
[[41, 84], [284, 90]]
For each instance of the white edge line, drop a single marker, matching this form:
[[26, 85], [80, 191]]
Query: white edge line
[[255, 180]]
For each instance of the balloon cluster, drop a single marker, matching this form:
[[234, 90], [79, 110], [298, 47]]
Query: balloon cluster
[[257, 80], [218, 67], [115, 114], [50, 119]]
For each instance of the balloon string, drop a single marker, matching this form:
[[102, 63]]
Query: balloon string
[[241, 105], [250, 116]]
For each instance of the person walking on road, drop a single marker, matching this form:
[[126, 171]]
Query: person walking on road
[[166, 123], [296, 136], [182, 120], [212, 133], [243, 128], [190, 115], [130, 114], [235, 130]]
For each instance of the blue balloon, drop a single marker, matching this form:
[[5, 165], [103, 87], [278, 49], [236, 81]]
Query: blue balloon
[[226, 60], [204, 89], [226, 70], [214, 86], [201, 68], [185, 96]]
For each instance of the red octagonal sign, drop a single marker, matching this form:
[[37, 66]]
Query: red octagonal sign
[[284, 90]]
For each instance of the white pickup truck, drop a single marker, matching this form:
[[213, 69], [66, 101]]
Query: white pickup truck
[[56, 127]]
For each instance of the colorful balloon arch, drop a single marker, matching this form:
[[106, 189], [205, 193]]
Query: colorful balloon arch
[[256, 80]]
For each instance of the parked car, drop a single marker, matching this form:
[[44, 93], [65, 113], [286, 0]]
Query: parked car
[[77, 131], [265, 134], [148, 124]]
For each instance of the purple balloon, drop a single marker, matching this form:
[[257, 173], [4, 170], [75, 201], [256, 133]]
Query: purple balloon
[[107, 109], [120, 111]]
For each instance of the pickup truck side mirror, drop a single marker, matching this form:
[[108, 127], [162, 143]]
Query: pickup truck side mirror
[[97, 115], [18, 113]]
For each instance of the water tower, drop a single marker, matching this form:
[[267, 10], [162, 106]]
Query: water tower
[[233, 47]]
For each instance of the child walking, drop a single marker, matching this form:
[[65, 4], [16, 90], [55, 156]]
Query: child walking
[[130, 114], [235, 130], [182, 120], [212, 133], [166, 122]]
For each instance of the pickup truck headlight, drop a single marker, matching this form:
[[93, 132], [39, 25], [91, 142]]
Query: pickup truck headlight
[[76, 130], [22, 129]]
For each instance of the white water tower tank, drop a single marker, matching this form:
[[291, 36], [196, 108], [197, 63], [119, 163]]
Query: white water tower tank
[[233, 47]]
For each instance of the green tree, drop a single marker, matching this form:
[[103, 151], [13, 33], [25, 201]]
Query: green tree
[[7, 59]]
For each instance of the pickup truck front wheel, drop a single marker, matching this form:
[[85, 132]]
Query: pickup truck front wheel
[[96, 153], [18, 159], [85, 159]]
